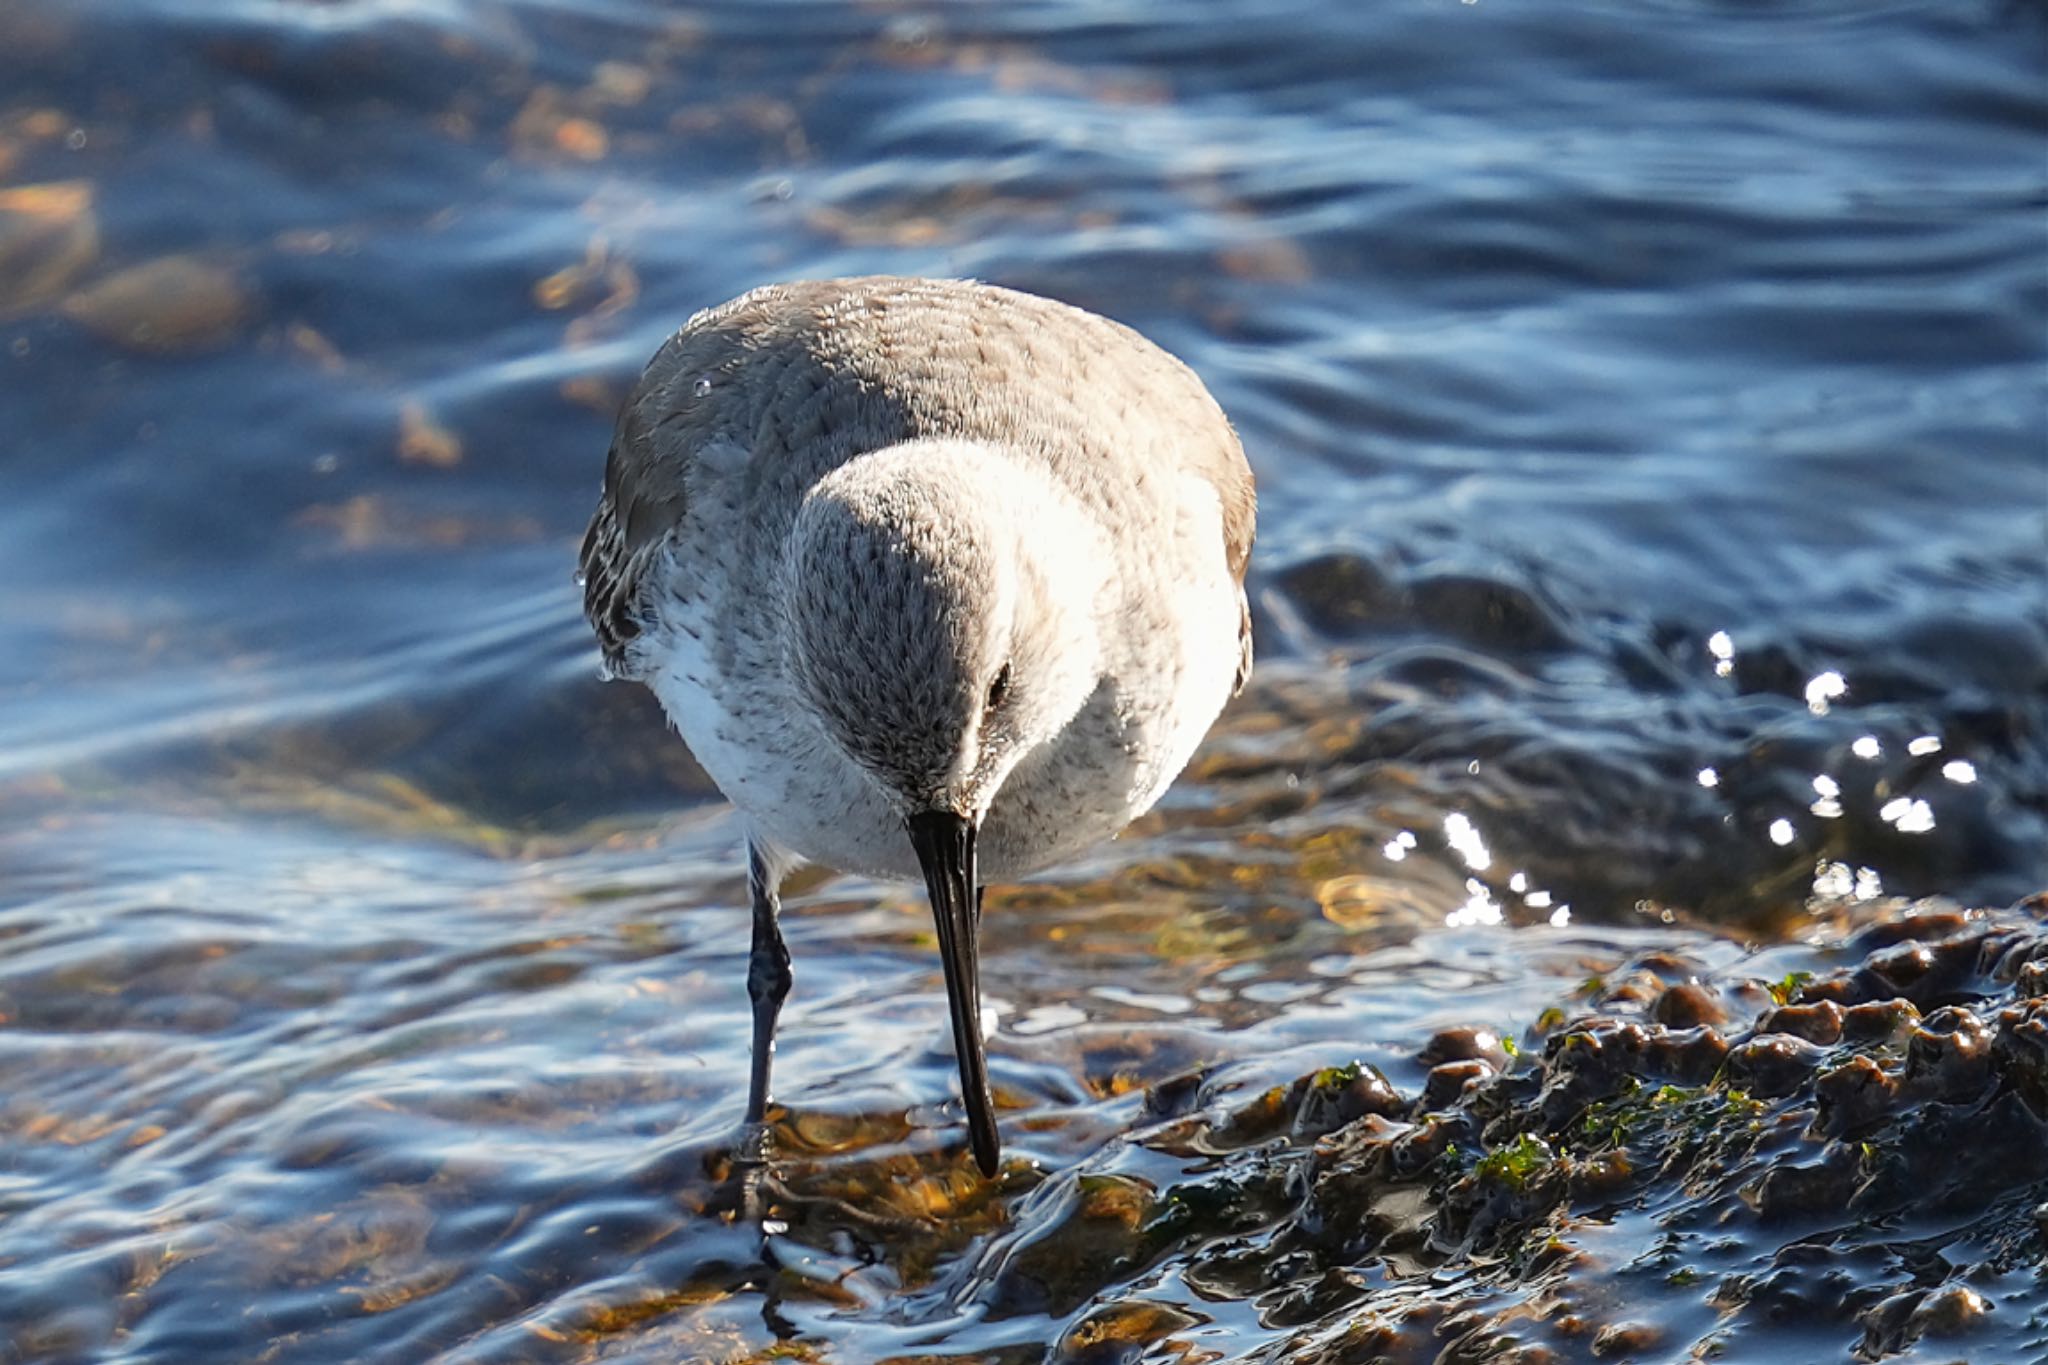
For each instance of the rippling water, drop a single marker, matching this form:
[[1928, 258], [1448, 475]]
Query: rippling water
[[1652, 431]]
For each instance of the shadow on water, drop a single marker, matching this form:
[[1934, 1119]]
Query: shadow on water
[[1649, 415]]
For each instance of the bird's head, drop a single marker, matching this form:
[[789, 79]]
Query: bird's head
[[939, 630]]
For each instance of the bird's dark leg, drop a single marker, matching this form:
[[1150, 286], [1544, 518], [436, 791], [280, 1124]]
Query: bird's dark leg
[[768, 981]]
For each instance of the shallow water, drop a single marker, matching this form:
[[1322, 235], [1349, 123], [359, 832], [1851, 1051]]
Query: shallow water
[[1652, 434]]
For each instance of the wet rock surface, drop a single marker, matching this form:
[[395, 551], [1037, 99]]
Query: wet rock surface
[[1854, 1167]]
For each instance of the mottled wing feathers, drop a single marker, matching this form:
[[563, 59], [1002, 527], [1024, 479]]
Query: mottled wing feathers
[[608, 581], [643, 501]]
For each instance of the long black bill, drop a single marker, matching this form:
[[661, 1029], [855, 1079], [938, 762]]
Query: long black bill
[[945, 850]]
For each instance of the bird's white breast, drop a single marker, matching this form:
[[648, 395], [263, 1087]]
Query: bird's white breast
[[775, 764]]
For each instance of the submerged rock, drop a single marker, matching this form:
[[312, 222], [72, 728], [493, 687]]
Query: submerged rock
[[49, 236], [169, 306]]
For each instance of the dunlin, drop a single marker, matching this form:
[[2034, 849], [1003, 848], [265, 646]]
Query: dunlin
[[934, 578]]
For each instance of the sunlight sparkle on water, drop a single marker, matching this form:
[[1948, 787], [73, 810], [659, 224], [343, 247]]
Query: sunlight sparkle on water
[[1827, 807], [1823, 689], [1908, 813], [1867, 746], [1926, 744], [1781, 831], [1839, 881], [1479, 907], [1709, 778], [1463, 836], [1722, 647], [1960, 771]]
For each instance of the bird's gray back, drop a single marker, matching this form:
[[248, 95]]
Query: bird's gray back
[[799, 378]]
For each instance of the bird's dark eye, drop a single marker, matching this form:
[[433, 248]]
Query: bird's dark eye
[[999, 689]]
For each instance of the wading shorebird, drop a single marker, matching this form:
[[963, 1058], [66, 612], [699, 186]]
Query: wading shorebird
[[928, 574]]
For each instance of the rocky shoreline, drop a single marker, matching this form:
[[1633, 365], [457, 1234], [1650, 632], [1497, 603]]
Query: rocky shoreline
[[1676, 1165]]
